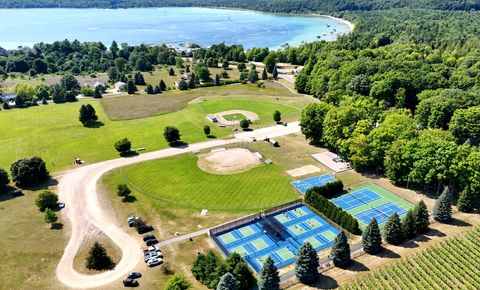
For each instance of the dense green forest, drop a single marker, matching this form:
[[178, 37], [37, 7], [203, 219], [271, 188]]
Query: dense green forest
[[288, 6]]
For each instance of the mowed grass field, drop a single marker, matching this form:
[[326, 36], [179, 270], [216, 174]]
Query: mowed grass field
[[54, 132], [179, 181]]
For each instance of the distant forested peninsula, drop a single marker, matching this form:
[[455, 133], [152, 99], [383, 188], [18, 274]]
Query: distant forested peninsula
[[286, 6]]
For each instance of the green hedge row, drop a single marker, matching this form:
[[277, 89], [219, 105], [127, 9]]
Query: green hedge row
[[333, 212], [330, 189]]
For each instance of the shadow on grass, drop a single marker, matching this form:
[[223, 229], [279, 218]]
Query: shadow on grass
[[129, 154], [324, 282], [129, 199], [95, 125], [409, 244], [211, 137], [435, 233], [41, 186], [248, 130], [8, 192], [56, 226], [178, 144], [387, 254]]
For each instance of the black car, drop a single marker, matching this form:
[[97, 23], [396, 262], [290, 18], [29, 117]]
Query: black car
[[134, 275], [130, 282], [151, 242], [148, 237], [145, 229]]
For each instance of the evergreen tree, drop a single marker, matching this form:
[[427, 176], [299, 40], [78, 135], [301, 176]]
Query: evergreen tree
[[466, 200], [227, 282], [217, 80], [131, 87], [191, 81], [158, 90], [306, 264], [88, 115], [182, 85], [408, 225], [422, 220], [206, 130], [269, 278], [6, 106], [162, 86], [264, 74], [442, 211], [340, 254], [275, 73], [97, 93], [372, 238], [171, 72], [149, 90], [98, 258], [50, 216], [138, 78], [253, 76], [393, 232]]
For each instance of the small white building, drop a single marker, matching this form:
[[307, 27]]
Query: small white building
[[213, 118], [120, 86]]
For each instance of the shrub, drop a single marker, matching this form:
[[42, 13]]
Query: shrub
[[46, 199], [206, 130], [171, 134], [244, 124], [123, 146], [29, 171], [333, 212], [123, 191], [277, 116], [4, 180], [87, 91], [50, 216], [177, 282]]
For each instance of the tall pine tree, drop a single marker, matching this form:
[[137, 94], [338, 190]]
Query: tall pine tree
[[408, 225], [264, 74], [442, 211], [306, 265], [372, 238], [340, 254], [269, 278], [466, 200], [227, 282], [393, 232], [98, 258], [422, 220]]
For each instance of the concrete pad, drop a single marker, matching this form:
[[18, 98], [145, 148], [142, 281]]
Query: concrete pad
[[304, 170], [332, 161]]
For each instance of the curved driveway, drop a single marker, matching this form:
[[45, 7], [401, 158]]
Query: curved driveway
[[77, 188]]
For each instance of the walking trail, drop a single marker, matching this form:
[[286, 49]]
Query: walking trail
[[77, 188]]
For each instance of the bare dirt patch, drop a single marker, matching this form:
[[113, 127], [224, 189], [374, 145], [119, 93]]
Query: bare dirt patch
[[228, 161], [249, 115]]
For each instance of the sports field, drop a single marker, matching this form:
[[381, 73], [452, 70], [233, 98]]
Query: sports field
[[179, 181], [304, 185], [54, 132], [278, 236], [371, 201]]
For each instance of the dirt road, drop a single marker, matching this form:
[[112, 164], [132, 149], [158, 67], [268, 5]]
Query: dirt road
[[77, 188]]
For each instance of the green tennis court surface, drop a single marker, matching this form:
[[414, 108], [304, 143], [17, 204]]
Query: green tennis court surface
[[228, 238], [285, 254], [260, 244], [283, 218], [298, 212], [246, 231], [313, 223], [329, 235], [296, 229], [240, 250], [313, 241]]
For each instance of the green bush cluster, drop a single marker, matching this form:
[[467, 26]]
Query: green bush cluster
[[330, 189], [333, 212]]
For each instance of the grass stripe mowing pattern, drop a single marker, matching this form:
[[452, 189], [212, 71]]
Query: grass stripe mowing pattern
[[452, 264], [179, 180]]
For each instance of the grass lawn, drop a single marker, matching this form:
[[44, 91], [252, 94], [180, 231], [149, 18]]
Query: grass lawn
[[54, 132], [179, 181], [236, 117]]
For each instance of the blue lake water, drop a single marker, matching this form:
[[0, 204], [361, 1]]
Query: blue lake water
[[24, 27]]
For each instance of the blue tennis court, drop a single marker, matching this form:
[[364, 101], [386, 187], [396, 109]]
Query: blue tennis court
[[278, 236], [356, 198], [381, 212], [305, 184]]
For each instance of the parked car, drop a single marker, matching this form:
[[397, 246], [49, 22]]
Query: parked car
[[154, 262], [131, 220], [145, 229], [150, 255], [154, 248], [148, 237], [134, 275], [130, 282], [151, 242]]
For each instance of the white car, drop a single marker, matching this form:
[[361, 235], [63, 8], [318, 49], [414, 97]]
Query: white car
[[154, 248], [151, 255], [61, 204], [154, 262]]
